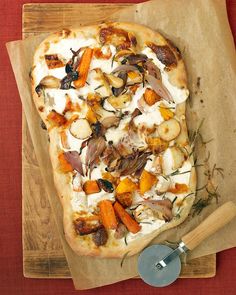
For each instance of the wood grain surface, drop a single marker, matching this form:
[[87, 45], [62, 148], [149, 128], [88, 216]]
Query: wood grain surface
[[43, 256]]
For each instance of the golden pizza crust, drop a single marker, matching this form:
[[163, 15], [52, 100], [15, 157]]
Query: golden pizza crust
[[114, 248]]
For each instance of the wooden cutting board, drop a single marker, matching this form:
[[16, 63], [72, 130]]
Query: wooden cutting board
[[43, 256]]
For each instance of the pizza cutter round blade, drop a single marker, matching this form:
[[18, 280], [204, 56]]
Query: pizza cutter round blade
[[150, 273], [159, 265]]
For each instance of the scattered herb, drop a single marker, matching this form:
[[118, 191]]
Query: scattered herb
[[201, 188], [145, 222], [195, 134], [204, 202], [125, 239], [217, 169], [123, 258], [112, 60], [167, 108], [177, 172], [174, 199], [134, 208], [190, 194], [100, 86]]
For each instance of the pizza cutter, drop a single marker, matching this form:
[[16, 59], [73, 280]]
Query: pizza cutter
[[160, 265]]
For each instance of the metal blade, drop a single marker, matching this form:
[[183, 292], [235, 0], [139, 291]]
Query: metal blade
[[147, 266], [171, 256]]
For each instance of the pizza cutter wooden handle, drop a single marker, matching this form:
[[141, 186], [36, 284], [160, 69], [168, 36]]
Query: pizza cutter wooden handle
[[219, 218]]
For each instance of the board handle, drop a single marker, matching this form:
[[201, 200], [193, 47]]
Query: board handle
[[219, 218]]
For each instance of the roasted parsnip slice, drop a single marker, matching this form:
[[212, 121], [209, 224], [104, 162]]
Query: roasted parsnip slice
[[169, 130], [80, 129]]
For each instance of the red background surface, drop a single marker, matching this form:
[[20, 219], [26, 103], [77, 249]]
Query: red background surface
[[11, 273]]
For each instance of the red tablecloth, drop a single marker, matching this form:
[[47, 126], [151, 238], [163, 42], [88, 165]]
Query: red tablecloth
[[11, 273]]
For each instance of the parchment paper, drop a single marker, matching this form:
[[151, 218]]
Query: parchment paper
[[200, 29]]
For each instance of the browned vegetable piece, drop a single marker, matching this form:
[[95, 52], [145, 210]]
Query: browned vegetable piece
[[111, 121], [156, 144], [151, 97], [126, 219], [126, 186], [120, 231], [53, 61], [91, 187], [164, 54], [152, 69], [105, 185], [179, 188], [165, 112], [98, 53], [107, 214], [65, 166], [83, 67], [83, 227], [147, 180], [100, 237], [55, 119], [125, 199], [162, 207], [91, 116], [115, 36]]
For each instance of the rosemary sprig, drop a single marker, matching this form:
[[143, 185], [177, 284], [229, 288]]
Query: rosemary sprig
[[167, 108], [190, 194], [204, 202], [112, 60], [217, 169], [123, 258], [125, 239], [145, 222], [174, 199], [201, 188], [99, 86], [195, 134], [177, 172]]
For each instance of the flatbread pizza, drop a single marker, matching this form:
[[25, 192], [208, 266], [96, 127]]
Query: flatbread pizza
[[112, 97]]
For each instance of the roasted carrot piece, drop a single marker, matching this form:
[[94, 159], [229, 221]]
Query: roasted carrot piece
[[55, 119], [64, 139], [83, 67], [126, 219], [126, 186], [107, 214], [64, 165], [147, 180], [91, 187], [179, 188], [151, 97]]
